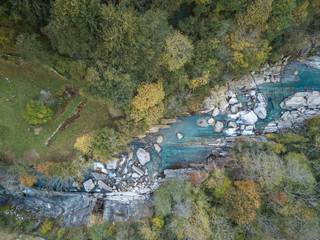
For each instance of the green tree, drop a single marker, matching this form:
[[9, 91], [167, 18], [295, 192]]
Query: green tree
[[170, 193], [37, 113]]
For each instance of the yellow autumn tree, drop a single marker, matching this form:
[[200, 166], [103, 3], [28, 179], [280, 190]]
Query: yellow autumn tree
[[84, 143], [199, 81], [43, 168], [147, 105]]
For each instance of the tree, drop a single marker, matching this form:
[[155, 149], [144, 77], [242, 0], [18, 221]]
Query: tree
[[114, 85], [147, 106], [218, 183], [299, 175], [281, 16], [74, 28], [300, 14], [242, 201], [108, 142], [37, 113], [170, 193], [178, 50]]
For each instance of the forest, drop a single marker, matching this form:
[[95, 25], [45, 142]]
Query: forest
[[79, 79]]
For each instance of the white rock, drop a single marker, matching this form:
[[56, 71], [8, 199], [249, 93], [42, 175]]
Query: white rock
[[224, 106], [179, 135], [98, 166], [232, 124], [88, 185], [104, 186], [215, 112], [271, 127], [135, 175], [157, 147], [233, 100], [130, 155], [211, 121], [260, 110], [218, 127], [99, 176], [296, 73], [236, 107], [230, 131], [143, 156], [248, 117], [249, 130], [159, 139]]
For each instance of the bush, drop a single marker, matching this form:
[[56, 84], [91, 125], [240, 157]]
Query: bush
[[37, 113], [46, 227]]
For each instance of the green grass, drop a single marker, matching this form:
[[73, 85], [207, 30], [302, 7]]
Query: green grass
[[26, 83]]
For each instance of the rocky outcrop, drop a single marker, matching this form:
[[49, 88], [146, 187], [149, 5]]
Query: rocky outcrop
[[143, 156]]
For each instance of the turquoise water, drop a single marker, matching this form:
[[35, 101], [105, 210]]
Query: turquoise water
[[193, 147]]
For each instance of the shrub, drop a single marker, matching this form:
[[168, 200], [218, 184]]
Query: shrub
[[46, 227], [27, 180], [37, 113]]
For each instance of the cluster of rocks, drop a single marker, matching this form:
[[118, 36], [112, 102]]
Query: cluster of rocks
[[296, 109], [242, 116], [123, 174]]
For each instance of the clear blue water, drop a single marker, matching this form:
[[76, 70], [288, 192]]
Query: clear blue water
[[193, 146]]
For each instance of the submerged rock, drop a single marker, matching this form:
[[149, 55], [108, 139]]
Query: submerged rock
[[202, 122], [248, 117], [179, 135], [143, 156], [88, 185], [218, 127]]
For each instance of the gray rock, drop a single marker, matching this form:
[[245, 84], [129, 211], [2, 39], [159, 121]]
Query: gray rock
[[135, 175], [224, 106], [248, 117], [137, 170], [159, 139], [218, 127], [99, 176], [88, 185], [295, 101], [157, 147], [260, 110], [104, 186], [313, 100], [143, 156]]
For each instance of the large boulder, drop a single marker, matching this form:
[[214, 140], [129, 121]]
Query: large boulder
[[260, 110], [215, 112], [159, 139], [157, 147], [295, 101], [143, 156], [248, 117]]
